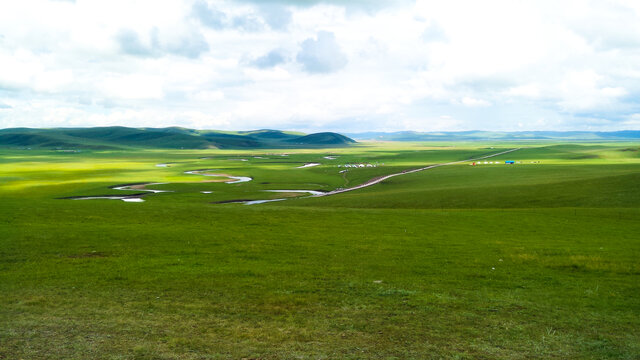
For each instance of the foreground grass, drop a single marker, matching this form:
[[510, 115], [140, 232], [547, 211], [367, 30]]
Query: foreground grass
[[533, 273]]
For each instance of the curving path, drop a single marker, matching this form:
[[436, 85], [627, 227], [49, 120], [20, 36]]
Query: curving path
[[383, 178]]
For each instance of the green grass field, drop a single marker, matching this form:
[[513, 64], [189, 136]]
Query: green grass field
[[535, 260]]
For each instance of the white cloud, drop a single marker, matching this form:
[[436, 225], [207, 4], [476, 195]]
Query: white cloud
[[133, 87], [632, 122], [473, 102], [267, 74], [322, 54], [583, 90], [208, 96], [526, 90], [273, 58], [613, 92]]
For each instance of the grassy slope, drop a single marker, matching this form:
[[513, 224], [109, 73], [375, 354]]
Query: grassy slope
[[524, 261]]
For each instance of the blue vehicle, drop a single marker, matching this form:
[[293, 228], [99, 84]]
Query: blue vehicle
[[510, 162]]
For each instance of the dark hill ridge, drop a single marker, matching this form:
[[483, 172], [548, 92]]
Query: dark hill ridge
[[324, 138], [270, 134], [497, 135], [166, 138]]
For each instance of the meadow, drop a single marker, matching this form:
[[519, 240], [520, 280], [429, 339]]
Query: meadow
[[534, 260]]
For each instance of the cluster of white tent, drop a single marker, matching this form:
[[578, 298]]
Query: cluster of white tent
[[358, 165], [495, 162], [486, 162]]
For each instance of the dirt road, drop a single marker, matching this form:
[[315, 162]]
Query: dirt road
[[383, 178]]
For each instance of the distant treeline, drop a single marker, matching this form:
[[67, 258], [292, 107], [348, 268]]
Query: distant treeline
[[496, 135]]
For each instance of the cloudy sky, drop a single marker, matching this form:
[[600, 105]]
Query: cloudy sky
[[314, 65]]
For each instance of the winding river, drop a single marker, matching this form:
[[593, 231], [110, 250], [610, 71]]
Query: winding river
[[241, 179], [236, 179]]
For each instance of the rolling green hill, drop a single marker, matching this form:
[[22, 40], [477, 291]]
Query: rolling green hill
[[162, 138], [324, 138]]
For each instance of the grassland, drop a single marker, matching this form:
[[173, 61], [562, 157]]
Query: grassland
[[533, 260]]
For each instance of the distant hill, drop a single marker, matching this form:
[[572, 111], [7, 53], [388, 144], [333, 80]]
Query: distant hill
[[271, 134], [114, 137], [496, 135], [324, 138]]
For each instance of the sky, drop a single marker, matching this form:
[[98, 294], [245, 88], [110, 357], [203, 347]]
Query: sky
[[312, 65]]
